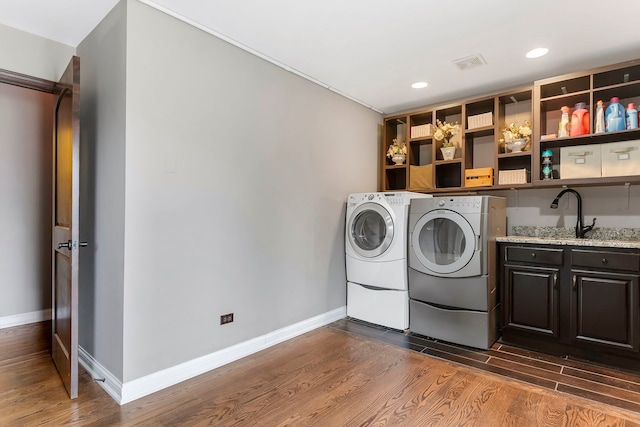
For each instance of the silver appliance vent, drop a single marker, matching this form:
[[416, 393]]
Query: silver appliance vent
[[470, 62]]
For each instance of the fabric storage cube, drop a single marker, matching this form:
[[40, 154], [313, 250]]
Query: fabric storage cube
[[421, 177], [621, 158], [580, 161]]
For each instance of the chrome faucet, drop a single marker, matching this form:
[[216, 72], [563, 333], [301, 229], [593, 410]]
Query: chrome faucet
[[580, 230]]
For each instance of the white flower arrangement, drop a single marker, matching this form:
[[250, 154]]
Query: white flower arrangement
[[515, 131], [445, 131], [398, 147]]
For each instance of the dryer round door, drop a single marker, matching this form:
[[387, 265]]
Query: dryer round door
[[370, 230], [443, 241]]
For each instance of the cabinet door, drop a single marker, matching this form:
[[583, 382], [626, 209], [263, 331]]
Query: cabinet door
[[604, 310], [530, 299]]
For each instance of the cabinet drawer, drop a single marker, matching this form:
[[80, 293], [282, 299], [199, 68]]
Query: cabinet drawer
[[602, 259], [534, 255]]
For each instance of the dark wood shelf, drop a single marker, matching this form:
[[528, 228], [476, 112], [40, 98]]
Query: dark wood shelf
[[582, 182], [567, 95], [520, 154], [422, 140], [479, 147], [446, 162], [594, 138], [481, 131]]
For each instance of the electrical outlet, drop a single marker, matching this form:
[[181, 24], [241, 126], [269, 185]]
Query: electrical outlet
[[226, 318]]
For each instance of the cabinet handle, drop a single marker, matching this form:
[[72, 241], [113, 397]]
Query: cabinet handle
[[604, 260], [555, 281], [574, 282], [533, 254]]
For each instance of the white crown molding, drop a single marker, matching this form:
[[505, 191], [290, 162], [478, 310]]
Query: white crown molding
[[237, 44]]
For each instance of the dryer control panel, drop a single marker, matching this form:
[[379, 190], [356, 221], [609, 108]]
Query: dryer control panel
[[460, 204]]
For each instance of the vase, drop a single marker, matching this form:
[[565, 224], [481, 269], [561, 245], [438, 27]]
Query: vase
[[398, 159], [448, 152], [516, 145]]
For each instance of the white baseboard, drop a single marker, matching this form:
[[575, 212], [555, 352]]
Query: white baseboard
[[25, 318], [146, 385], [111, 384]]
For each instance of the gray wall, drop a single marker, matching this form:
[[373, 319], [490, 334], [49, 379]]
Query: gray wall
[[25, 200], [102, 88], [33, 55], [613, 206], [236, 174]]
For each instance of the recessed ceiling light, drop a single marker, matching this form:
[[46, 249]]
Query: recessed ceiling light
[[537, 52], [419, 85]]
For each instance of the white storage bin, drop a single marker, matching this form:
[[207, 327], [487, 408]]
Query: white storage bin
[[621, 158], [480, 120], [581, 161], [420, 131]]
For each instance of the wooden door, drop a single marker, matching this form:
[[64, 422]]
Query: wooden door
[[66, 194]]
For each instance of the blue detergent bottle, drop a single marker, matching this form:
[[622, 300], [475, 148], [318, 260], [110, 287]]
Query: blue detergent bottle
[[615, 116]]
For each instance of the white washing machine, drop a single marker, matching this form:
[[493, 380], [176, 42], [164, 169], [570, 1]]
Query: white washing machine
[[376, 257], [452, 268]]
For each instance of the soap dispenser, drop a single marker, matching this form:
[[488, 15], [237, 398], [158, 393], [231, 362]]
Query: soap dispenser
[[547, 165]]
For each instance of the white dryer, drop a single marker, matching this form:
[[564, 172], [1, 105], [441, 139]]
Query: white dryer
[[452, 267], [376, 257]]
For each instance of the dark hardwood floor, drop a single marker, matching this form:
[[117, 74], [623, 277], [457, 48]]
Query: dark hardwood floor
[[344, 374], [603, 384]]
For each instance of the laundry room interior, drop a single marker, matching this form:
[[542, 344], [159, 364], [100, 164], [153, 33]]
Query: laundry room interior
[[240, 186]]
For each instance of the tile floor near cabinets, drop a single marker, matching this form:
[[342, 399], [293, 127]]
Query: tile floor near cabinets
[[575, 377]]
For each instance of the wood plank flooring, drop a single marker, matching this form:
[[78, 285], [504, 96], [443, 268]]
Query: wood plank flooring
[[579, 378], [344, 374]]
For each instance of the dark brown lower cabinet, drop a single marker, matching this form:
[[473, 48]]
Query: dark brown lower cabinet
[[605, 310], [571, 301], [531, 295]]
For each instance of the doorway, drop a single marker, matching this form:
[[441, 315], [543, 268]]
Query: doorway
[[26, 129]]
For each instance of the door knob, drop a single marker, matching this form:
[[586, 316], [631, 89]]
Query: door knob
[[69, 245], [65, 245]]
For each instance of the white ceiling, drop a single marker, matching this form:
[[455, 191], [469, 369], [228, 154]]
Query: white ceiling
[[372, 50]]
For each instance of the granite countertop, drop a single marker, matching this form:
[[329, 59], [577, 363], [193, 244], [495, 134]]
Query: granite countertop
[[600, 237]]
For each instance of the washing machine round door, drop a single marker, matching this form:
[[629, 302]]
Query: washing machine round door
[[370, 230], [443, 241]]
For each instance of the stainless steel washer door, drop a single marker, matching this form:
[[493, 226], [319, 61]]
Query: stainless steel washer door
[[443, 241], [370, 230]]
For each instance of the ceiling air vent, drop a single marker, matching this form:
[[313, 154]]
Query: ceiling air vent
[[470, 62]]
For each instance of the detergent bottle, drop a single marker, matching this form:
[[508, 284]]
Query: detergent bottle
[[563, 126], [599, 117], [615, 116], [632, 116], [580, 121]]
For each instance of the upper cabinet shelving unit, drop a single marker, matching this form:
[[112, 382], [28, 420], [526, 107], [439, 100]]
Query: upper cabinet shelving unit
[[593, 158], [480, 146]]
